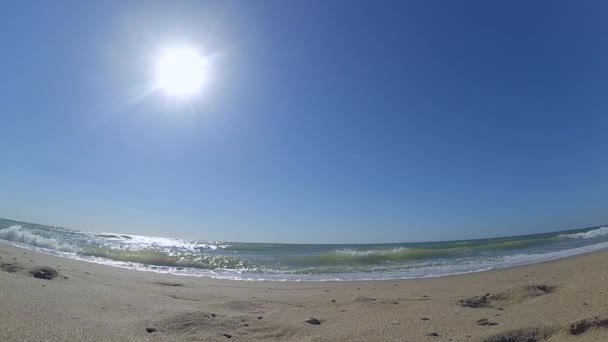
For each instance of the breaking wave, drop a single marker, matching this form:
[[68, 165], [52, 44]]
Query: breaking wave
[[590, 234], [20, 235]]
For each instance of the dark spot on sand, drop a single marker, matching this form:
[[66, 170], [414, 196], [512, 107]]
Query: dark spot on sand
[[64, 277], [227, 335], [333, 300], [424, 319], [434, 334], [44, 272], [541, 288], [150, 330], [213, 315], [493, 323], [483, 321], [584, 325], [425, 296], [395, 303], [477, 302], [245, 325], [522, 335], [536, 334], [10, 268], [313, 321], [168, 284], [500, 309], [260, 317]]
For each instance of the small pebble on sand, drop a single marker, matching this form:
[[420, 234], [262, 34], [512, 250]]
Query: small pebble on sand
[[313, 321], [483, 321]]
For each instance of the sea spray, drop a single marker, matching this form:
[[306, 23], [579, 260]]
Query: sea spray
[[18, 234]]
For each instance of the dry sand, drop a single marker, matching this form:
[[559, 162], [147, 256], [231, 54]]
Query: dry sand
[[564, 300]]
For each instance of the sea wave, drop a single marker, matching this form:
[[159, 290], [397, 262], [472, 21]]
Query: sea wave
[[400, 254], [405, 254], [297, 262], [588, 234], [146, 242], [157, 257], [21, 235], [252, 247]]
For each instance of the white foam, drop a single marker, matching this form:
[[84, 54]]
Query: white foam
[[379, 252], [146, 242], [588, 234], [27, 237]]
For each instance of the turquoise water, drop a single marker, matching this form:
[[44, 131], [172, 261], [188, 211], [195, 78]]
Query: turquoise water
[[301, 262]]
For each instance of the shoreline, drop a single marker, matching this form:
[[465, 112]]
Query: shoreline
[[93, 302], [270, 262], [500, 269]]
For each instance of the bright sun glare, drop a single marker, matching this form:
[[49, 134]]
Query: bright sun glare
[[181, 72]]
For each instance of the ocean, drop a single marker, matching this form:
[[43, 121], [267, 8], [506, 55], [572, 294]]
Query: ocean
[[301, 262]]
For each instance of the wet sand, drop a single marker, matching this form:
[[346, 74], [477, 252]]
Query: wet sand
[[563, 300]]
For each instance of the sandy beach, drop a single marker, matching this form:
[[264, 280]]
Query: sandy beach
[[553, 301]]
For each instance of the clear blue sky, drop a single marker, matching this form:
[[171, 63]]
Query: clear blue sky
[[325, 121]]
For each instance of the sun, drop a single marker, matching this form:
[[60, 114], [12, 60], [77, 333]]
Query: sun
[[181, 72]]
